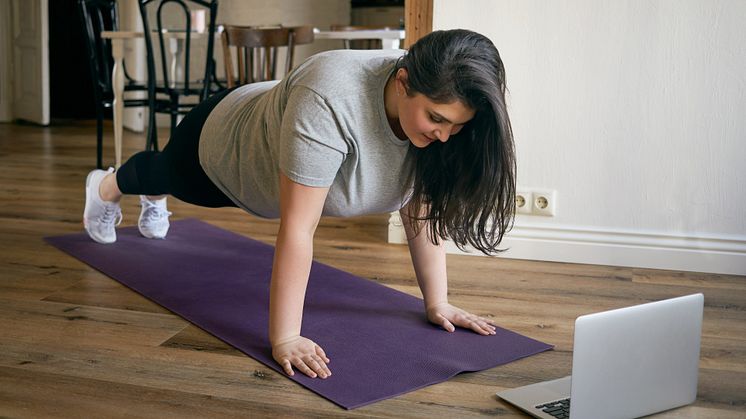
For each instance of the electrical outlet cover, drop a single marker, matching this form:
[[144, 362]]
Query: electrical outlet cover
[[522, 195], [544, 202]]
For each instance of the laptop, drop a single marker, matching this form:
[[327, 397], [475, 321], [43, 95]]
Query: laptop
[[626, 363]]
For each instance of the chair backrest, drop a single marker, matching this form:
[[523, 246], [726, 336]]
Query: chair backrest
[[299, 35], [98, 16], [178, 29], [360, 43], [256, 51]]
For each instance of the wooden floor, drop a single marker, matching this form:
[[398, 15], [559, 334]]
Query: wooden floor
[[74, 343]]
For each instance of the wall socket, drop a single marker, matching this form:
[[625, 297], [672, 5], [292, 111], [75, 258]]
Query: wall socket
[[536, 202], [523, 201]]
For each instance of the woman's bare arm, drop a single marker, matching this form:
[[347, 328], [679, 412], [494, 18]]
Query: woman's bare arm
[[300, 211], [429, 263]]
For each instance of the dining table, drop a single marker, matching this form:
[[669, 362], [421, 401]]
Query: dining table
[[390, 39], [176, 47], [117, 80]]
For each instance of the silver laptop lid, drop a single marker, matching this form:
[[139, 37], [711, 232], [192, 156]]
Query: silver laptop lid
[[637, 360]]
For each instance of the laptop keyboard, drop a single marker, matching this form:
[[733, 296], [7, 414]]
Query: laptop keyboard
[[559, 409]]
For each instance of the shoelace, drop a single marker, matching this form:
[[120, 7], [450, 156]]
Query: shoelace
[[154, 212], [112, 215]]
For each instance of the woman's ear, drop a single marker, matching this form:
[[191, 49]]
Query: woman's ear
[[402, 86]]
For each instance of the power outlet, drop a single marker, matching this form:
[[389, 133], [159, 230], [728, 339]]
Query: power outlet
[[523, 201], [544, 202]]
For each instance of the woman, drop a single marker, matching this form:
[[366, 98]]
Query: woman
[[346, 133]]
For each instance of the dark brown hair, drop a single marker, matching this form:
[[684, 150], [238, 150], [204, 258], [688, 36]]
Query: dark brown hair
[[465, 187]]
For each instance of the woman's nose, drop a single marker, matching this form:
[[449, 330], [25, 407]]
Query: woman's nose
[[442, 134]]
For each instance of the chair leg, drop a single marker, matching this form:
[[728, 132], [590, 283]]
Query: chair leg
[[99, 136], [174, 113], [152, 140], [154, 144], [174, 118]]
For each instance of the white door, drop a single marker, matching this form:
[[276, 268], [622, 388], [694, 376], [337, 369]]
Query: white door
[[31, 61]]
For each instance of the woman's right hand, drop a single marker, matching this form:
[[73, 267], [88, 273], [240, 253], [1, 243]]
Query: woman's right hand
[[302, 353]]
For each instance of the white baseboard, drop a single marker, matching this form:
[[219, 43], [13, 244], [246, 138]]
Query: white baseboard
[[723, 255]]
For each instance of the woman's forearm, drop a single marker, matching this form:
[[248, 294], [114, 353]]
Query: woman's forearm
[[292, 265], [429, 262]]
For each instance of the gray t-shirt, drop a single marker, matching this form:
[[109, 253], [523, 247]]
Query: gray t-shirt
[[324, 125]]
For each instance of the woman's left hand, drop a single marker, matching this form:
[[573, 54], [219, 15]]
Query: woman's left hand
[[449, 316]]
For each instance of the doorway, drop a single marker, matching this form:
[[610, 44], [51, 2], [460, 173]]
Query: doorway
[[70, 83]]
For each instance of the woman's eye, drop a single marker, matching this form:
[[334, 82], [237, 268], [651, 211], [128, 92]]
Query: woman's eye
[[435, 119]]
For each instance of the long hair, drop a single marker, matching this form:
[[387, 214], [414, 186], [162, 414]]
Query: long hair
[[464, 188]]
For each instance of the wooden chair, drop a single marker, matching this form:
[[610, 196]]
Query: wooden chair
[[299, 35], [98, 16], [256, 51], [360, 43]]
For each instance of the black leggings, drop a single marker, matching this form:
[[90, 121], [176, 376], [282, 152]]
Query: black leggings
[[176, 170]]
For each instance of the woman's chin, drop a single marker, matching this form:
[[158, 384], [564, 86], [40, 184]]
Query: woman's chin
[[421, 141]]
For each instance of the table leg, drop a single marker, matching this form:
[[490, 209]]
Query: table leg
[[117, 77], [396, 229], [394, 217], [389, 43], [176, 48]]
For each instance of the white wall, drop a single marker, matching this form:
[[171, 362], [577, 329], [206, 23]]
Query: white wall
[[633, 111]]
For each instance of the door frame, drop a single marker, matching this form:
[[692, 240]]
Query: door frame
[[418, 20], [6, 88]]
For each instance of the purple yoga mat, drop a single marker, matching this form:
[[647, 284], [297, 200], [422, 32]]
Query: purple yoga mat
[[378, 338]]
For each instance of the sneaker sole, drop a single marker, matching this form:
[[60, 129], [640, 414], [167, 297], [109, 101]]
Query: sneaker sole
[[87, 198], [85, 223], [143, 231], [150, 236]]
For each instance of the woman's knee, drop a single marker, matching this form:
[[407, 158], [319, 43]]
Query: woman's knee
[[145, 173]]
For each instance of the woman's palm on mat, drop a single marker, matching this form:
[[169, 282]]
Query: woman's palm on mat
[[449, 316], [304, 354], [308, 357]]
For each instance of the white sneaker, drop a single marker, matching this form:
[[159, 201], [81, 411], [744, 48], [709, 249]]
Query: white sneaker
[[100, 217], [153, 222]]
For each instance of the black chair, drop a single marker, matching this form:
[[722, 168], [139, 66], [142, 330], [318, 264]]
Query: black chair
[[98, 16], [165, 94]]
